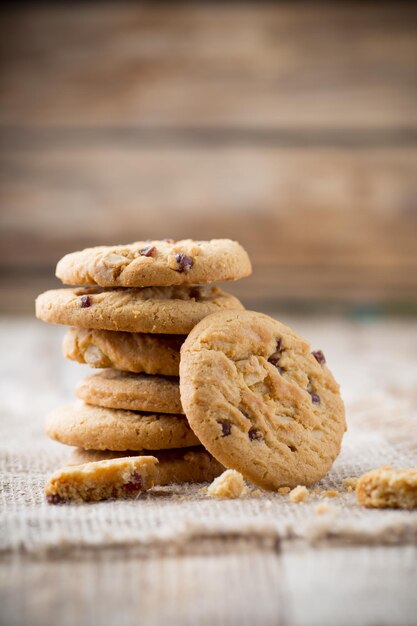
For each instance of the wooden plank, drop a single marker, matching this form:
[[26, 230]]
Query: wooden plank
[[351, 585], [275, 65], [323, 224], [345, 585], [344, 213]]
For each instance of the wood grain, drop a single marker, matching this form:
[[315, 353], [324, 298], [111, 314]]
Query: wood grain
[[294, 587], [292, 128], [343, 229], [257, 65]]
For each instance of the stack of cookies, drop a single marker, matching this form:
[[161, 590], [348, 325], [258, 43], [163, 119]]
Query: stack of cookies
[[129, 314]]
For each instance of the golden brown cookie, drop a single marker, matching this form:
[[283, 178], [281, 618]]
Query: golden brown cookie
[[388, 488], [172, 310], [97, 428], [131, 352], [156, 263], [186, 465], [118, 478], [259, 400], [134, 392]]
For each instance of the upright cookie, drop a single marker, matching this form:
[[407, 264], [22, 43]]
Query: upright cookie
[[131, 352], [134, 392], [187, 465], [96, 428], [259, 400], [117, 478], [156, 263], [172, 310]]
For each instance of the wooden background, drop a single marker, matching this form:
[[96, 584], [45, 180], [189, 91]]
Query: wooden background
[[289, 126]]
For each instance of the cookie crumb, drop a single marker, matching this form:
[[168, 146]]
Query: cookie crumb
[[299, 494], [230, 484], [257, 493], [388, 488], [350, 483], [323, 508], [329, 493], [283, 491]]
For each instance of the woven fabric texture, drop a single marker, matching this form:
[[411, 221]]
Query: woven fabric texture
[[374, 362]]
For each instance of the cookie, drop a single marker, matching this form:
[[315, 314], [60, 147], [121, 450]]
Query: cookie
[[259, 400], [118, 478], [388, 488], [229, 485], [187, 465], [135, 392], [131, 352], [172, 310], [156, 263], [97, 428]]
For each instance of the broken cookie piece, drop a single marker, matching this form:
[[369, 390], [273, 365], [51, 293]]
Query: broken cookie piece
[[230, 484], [299, 494], [388, 488], [118, 478]]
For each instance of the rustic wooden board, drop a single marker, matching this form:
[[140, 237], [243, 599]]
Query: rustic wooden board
[[328, 223], [301, 586], [275, 65], [292, 128]]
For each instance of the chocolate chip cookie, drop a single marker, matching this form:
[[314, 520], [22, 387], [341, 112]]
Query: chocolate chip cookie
[[134, 392], [260, 400], [172, 310], [97, 428], [156, 263], [131, 352]]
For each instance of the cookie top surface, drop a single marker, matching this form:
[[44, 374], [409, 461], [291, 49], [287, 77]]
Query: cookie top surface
[[98, 428], [259, 400], [156, 263], [172, 310], [130, 352], [135, 392]]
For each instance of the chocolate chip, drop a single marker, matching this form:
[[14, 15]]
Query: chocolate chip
[[275, 357], [319, 356], [315, 398], [293, 448], [185, 262], [226, 428], [85, 301], [148, 251], [54, 499], [135, 484], [275, 361], [254, 433]]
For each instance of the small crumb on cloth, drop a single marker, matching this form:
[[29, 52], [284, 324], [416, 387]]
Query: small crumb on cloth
[[323, 508], [299, 494], [283, 491], [230, 484], [329, 493], [350, 483]]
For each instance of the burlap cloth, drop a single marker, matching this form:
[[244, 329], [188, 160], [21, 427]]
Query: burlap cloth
[[377, 368]]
